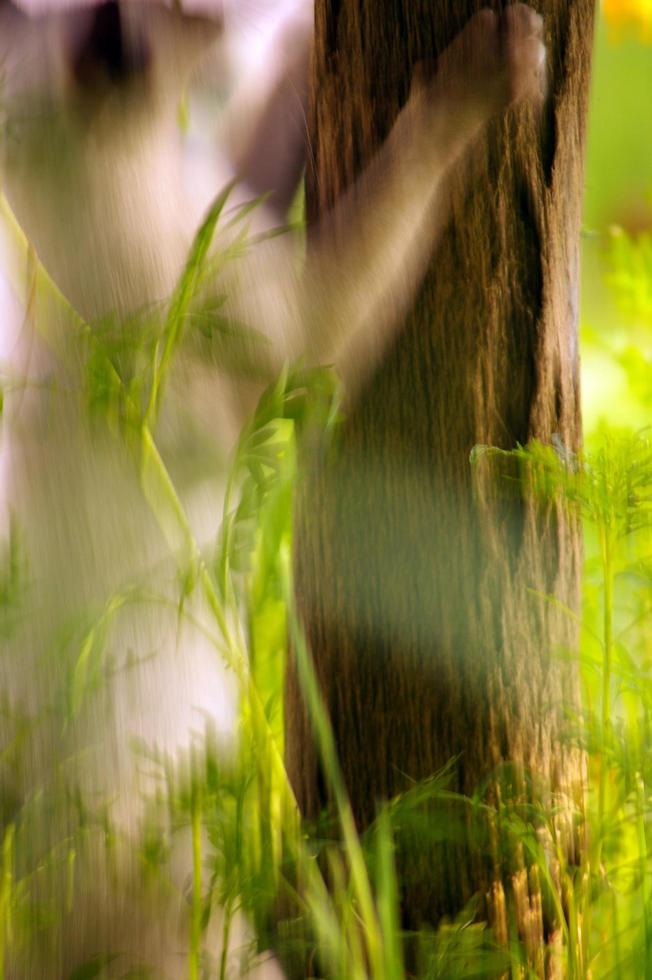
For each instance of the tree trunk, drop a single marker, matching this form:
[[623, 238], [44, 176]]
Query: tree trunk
[[422, 584]]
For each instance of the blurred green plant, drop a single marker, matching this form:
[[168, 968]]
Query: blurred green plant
[[610, 488]]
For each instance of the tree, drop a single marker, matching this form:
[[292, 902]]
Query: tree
[[423, 586]]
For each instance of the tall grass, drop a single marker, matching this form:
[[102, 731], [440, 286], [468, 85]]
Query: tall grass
[[333, 904]]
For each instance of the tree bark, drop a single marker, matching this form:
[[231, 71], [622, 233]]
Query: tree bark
[[420, 582]]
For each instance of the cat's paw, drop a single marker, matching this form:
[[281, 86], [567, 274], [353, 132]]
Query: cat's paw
[[497, 59]]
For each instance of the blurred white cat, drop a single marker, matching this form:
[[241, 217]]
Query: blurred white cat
[[121, 123]]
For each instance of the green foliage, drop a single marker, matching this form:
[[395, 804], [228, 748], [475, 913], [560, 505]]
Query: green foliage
[[632, 276], [13, 572], [610, 488], [330, 902]]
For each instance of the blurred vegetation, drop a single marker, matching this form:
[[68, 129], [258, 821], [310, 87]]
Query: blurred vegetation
[[335, 903], [616, 325]]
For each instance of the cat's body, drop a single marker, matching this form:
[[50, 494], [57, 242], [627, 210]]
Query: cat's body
[[110, 191]]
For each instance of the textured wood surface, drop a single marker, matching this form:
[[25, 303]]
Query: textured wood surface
[[415, 578]]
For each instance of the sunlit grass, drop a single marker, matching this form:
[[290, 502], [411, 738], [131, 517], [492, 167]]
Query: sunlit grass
[[334, 904]]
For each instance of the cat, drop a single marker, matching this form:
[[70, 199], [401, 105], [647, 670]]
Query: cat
[[120, 125]]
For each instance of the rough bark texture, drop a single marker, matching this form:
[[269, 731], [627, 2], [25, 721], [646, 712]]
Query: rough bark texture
[[414, 577]]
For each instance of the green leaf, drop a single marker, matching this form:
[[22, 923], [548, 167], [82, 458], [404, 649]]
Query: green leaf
[[184, 293]]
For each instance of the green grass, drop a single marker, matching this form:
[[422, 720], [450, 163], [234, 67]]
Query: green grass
[[335, 903]]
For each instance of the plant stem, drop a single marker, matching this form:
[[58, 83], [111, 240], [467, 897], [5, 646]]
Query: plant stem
[[6, 895], [643, 863], [226, 935], [195, 921], [607, 641]]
